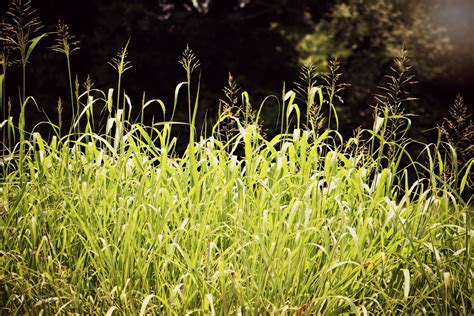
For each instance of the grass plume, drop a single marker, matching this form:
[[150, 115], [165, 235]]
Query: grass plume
[[24, 35], [66, 44]]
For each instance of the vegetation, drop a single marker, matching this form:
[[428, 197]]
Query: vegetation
[[108, 218]]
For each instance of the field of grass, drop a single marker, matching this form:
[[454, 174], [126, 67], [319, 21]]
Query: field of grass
[[112, 221]]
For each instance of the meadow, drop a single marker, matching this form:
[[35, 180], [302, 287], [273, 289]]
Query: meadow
[[110, 219]]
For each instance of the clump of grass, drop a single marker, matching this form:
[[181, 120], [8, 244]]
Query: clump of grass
[[115, 222]]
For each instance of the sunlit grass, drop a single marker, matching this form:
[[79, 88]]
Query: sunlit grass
[[92, 225], [115, 222], [95, 228]]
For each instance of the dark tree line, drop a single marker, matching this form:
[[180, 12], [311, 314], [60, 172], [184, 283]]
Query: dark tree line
[[261, 42]]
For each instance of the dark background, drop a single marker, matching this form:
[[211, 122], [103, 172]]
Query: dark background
[[262, 43]]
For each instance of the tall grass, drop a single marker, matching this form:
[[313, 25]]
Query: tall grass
[[114, 222]]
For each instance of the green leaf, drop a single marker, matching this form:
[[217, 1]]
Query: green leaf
[[295, 107], [333, 109], [320, 94], [378, 123], [110, 96], [465, 177], [245, 98], [2, 124], [111, 311], [211, 303], [145, 303], [312, 95], [289, 95], [176, 95], [163, 107], [406, 283], [33, 44]]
